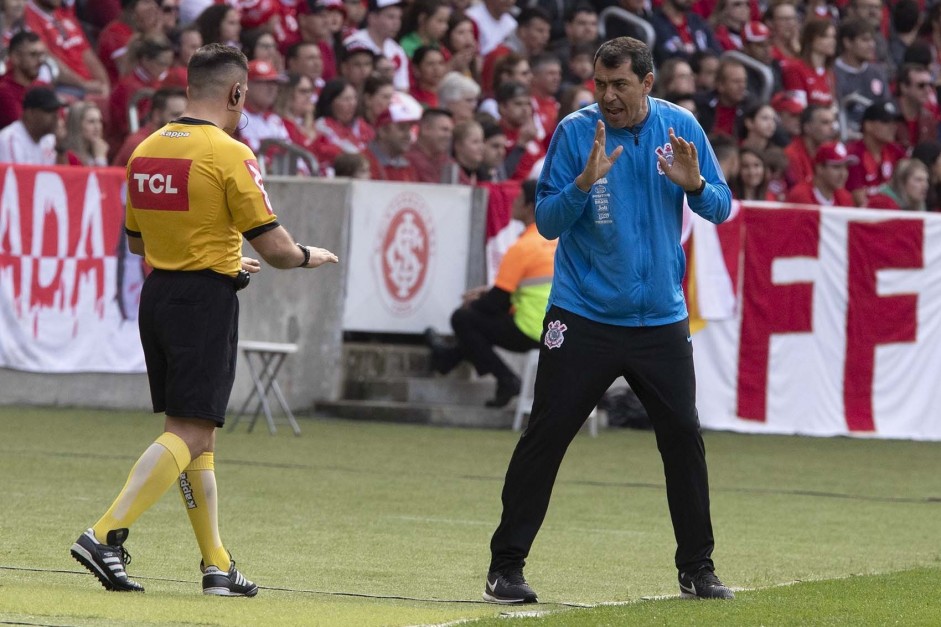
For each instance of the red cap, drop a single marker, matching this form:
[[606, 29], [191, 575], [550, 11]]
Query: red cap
[[334, 5], [783, 104], [309, 7], [834, 153], [259, 70], [402, 108], [756, 32]]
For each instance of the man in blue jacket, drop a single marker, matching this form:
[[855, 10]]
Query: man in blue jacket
[[612, 191]]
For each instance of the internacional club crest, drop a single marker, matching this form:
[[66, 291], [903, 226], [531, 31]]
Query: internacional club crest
[[403, 254], [555, 334]]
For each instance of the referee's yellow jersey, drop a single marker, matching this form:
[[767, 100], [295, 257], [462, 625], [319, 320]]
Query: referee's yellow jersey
[[192, 191]]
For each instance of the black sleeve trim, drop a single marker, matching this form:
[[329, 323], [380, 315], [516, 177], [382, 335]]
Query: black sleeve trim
[[494, 301], [258, 230], [131, 233]]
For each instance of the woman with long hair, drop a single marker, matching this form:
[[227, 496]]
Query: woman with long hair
[[84, 140], [751, 182], [757, 127], [810, 79], [295, 105], [907, 190], [468, 149], [377, 95], [425, 24], [336, 119], [261, 45], [220, 24], [461, 43]]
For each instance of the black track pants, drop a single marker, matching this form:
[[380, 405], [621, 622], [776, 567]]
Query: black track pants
[[588, 356]]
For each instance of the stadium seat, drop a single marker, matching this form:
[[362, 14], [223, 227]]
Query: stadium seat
[[524, 402]]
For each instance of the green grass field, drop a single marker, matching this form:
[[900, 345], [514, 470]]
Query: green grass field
[[375, 524]]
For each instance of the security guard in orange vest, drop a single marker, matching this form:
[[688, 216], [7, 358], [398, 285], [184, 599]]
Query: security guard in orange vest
[[509, 314]]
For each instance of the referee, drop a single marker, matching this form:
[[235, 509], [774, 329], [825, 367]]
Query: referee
[[612, 191], [193, 193]]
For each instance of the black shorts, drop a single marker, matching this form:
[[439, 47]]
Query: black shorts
[[189, 331]]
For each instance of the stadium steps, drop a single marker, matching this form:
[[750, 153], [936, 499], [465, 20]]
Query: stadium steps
[[394, 383]]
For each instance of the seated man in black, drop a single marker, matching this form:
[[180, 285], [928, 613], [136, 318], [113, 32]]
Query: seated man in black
[[509, 314]]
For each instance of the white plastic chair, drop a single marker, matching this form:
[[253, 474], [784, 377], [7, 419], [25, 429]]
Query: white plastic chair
[[524, 402]]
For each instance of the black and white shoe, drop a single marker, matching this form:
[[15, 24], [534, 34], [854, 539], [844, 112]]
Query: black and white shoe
[[226, 584], [106, 561], [508, 587], [703, 584]]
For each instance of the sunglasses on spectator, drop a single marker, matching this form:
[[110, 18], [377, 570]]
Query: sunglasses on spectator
[[922, 85], [170, 9]]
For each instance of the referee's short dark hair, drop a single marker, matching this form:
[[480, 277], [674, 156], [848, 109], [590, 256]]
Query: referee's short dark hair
[[210, 64], [614, 52]]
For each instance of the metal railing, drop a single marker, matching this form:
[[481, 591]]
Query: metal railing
[[617, 13]]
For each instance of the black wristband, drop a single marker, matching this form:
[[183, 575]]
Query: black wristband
[[699, 190], [306, 251]]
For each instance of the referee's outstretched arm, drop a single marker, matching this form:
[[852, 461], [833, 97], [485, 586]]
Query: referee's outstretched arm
[[278, 249]]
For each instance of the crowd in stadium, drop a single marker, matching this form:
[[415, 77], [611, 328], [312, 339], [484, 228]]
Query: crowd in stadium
[[827, 103]]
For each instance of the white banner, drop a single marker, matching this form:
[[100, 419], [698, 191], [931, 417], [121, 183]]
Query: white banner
[[61, 273], [408, 256], [837, 329]]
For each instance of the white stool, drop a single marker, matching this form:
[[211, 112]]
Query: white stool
[[524, 402], [270, 357]]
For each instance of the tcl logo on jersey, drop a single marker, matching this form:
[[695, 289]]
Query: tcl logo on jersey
[[159, 184]]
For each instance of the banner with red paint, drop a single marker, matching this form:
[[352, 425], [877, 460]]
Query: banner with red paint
[[837, 329], [68, 287]]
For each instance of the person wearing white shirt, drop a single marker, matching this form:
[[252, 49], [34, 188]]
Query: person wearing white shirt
[[261, 120], [494, 23], [31, 140], [382, 24]]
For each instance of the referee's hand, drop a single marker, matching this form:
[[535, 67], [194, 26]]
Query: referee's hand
[[251, 265], [320, 256]]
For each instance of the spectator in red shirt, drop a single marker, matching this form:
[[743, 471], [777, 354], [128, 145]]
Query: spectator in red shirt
[[25, 56], [188, 41], [312, 22], [516, 118], [169, 16], [817, 128], [336, 120], [305, 58], [84, 140], [721, 111], [66, 42], [428, 69], [377, 96], [907, 190], [430, 155], [877, 151], [731, 17], [782, 18], [753, 177], [827, 186], [387, 152], [138, 17], [530, 39], [809, 79], [758, 126], [167, 104], [154, 57], [547, 79], [789, 117], [295, 105], [918, 104]]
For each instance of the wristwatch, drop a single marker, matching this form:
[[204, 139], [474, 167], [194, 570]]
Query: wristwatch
[[698, 190], [306, 251]]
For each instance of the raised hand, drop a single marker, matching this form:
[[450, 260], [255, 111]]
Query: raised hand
[[598, 162], [684, 171]]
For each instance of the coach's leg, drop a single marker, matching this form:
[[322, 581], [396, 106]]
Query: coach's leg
[[570, 380], [663, 377]]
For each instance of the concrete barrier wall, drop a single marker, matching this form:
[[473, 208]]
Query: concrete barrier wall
[[300, 306]]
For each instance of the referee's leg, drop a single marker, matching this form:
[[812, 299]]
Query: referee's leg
[[569, 382], [665, 382]]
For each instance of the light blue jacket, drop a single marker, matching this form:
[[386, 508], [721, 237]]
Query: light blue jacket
[[619, 259]]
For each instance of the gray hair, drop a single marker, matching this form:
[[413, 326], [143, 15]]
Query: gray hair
[[455, 86]]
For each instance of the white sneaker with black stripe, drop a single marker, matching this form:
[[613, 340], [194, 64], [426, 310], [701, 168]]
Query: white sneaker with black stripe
[[226, 584], [106, 561]]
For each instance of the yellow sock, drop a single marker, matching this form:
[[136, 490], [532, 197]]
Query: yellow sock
[[152, 475], [198, 489]]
